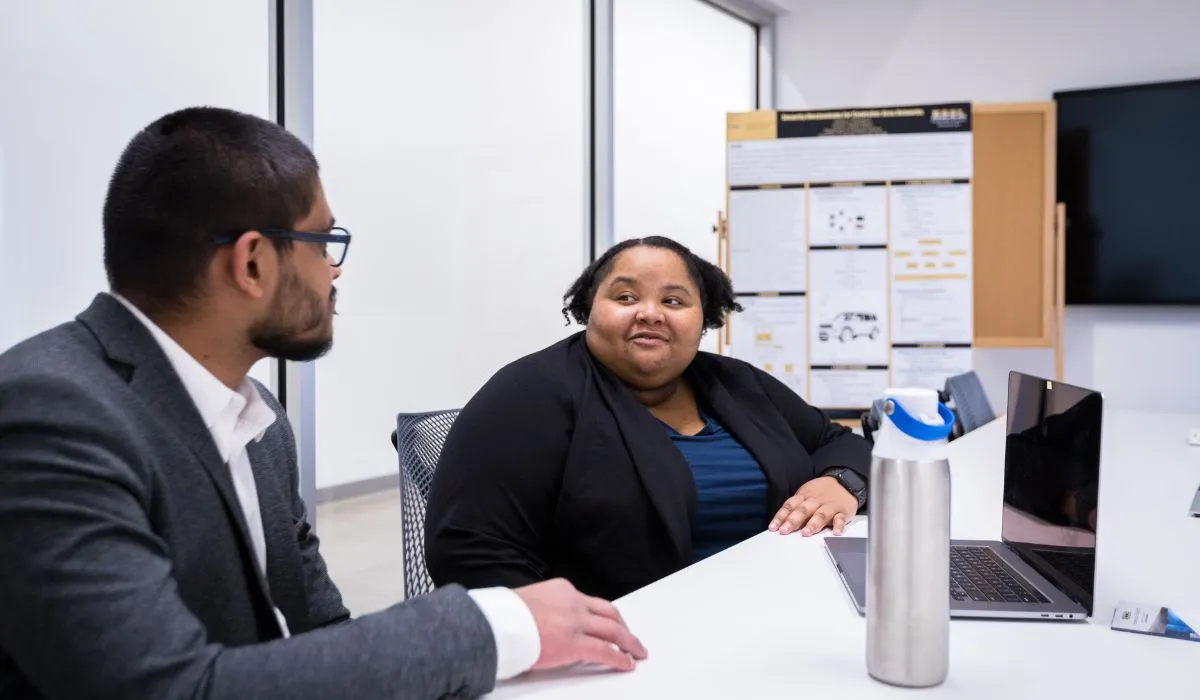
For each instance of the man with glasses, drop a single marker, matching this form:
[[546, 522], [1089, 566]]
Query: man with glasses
[[153, 540]]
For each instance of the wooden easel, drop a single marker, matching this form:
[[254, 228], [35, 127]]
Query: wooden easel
[[721, 231]]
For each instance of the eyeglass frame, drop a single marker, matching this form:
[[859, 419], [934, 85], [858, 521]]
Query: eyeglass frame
[[305, 236]]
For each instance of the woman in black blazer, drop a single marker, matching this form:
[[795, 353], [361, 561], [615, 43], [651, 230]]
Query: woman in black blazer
[[622, 454]]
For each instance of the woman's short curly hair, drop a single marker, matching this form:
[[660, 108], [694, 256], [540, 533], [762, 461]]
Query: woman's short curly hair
[[716, 291]]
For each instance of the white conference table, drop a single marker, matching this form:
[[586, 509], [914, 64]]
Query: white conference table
[[770, 617]]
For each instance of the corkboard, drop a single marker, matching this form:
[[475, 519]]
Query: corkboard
[[1014, 200]]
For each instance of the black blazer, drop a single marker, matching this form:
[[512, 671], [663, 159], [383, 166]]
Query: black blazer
[[555, 469]]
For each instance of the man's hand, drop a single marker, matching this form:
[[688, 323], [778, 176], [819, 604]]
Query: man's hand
[[820, 502], [574, 627]]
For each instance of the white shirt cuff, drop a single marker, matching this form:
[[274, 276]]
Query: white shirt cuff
[[518, 644]]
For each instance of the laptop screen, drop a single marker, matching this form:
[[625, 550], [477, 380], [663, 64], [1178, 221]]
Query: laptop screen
[[1051, 479]]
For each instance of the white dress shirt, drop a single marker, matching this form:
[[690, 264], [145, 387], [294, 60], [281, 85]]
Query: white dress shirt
[[235, 418]]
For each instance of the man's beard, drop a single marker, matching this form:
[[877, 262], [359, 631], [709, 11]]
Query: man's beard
[[295, 310]]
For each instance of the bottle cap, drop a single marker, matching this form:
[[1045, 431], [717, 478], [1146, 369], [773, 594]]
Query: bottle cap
[[914, 425]]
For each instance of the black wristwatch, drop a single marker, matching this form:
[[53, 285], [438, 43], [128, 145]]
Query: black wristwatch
[[851, 481]]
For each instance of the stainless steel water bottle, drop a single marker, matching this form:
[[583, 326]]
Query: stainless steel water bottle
[[908, 560]]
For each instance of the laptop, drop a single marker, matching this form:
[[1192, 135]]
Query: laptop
[[1044, 565]]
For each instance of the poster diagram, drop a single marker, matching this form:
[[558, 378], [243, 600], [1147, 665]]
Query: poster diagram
[[931, 216], [932, 285], [766, 238], [849, 314], [769, 333], [928, 367], [848, 215], [932, 308], [847, 388]]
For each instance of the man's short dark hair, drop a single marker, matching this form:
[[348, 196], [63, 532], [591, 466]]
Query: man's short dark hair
[[189, 176], [716, 291]]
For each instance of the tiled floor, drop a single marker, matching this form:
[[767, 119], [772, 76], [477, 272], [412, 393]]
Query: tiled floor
[[360, 540]]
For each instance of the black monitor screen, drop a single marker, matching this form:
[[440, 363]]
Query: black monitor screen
[[1128, 168]]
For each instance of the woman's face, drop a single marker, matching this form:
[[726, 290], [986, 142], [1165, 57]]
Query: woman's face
[[646, 318]]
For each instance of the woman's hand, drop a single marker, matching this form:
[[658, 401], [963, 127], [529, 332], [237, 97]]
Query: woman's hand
[[820, 502]]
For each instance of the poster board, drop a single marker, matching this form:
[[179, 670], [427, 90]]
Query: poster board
[[850, 244]]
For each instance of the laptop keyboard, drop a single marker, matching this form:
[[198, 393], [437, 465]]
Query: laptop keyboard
[[978, 574]]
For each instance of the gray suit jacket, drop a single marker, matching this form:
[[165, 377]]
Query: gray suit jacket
[[126, 569]]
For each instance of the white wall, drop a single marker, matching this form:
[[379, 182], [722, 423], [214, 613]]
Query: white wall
[[78, 79], [835, 53], [453, 141], [678, 67]]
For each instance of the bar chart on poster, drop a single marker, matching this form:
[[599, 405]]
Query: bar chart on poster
[[850, 248]]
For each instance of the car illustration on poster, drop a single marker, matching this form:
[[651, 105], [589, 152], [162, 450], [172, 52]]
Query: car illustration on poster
[[850, 325]]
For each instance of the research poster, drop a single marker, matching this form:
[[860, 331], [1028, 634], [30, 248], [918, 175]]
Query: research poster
[[931, 262], [769, 333], [864, 217], [849, 306], [853, 214], [767, 238], [927, 367], [847, 389]]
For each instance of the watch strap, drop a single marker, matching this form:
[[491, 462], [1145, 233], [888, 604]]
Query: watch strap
[[851, 481]]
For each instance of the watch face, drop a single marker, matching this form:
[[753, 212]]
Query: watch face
[[850, 479]]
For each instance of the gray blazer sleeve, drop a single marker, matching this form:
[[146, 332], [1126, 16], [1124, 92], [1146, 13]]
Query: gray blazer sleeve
[[89, 608]]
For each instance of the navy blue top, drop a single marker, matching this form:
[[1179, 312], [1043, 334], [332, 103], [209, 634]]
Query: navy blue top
[[731, 489]]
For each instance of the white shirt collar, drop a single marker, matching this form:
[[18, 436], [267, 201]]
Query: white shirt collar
[[234, 418]]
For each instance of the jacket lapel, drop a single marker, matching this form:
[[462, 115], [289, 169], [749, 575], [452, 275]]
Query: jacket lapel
[[127, 341], [660, 465], [739, 418]]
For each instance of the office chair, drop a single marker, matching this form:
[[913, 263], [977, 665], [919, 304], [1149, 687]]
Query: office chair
[[870, 420], [965, 396], [418, 439]]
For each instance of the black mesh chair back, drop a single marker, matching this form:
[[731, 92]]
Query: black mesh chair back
[[965, 395], [870, 420], [418, 440]]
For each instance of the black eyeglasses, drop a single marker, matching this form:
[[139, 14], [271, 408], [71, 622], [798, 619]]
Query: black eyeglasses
[[335, 243]]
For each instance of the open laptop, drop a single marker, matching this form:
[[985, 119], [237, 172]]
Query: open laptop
[[1044, 565]]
